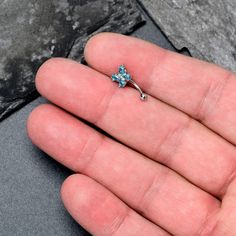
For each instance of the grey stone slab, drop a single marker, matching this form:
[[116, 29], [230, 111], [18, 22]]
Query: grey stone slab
[[206, 27], [31, 31], [30, 181]]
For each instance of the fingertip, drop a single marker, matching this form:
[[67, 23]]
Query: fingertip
[[79, 195], [43, 71], [99, 43], [48, 70], [90, 204], [69, 188], [35, 118]]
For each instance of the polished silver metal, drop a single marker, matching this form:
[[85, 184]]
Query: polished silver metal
[[143, 96]]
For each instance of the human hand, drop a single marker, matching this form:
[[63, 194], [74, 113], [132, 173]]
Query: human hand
[[172, 170]]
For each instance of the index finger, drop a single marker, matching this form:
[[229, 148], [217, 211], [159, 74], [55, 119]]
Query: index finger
[[204, 91]]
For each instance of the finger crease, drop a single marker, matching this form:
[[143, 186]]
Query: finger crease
[[150, 193], [172, 143], [211, 98], [209, 224], [90, 157], [118, 222], [228, 182]]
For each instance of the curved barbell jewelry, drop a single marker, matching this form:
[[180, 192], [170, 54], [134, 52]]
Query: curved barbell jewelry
[[123, 78]]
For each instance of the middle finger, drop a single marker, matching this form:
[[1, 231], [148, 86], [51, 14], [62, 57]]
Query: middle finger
[[153, 128]]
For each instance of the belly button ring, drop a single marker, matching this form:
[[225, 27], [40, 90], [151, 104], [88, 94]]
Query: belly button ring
[[123, 78]]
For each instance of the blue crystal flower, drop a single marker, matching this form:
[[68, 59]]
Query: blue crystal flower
[[122, 77]]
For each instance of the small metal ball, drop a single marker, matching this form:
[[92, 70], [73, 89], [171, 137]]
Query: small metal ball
[[143, 97]]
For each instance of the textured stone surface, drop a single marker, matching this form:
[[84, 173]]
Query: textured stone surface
[[206, 27], [32, 31]]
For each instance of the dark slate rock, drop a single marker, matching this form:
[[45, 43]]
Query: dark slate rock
[[206, 27], [31, 31]]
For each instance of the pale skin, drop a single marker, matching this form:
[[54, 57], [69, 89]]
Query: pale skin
[[170, 168]]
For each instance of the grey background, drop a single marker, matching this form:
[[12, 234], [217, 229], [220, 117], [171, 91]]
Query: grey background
[[30, 181]]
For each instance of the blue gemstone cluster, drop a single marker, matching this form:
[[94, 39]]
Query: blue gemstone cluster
[[122, 77]]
